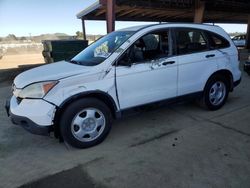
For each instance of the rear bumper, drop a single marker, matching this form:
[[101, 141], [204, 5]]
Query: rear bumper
[[26, 122], [236, 83]]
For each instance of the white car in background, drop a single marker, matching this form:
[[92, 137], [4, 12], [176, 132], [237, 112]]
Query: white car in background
[[239, 40], [123, 70]]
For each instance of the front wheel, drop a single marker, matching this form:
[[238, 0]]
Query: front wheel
[[85, 123], [216, 92]]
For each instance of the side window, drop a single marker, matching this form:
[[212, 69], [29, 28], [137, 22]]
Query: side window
[[217, 41], [151, 46], [190, 41]]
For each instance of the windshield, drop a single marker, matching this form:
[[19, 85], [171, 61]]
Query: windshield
[[100, 50]]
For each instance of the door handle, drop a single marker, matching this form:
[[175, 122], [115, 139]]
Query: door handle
[[168, 62], [210, 55]]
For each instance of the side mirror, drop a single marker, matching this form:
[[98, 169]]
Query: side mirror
[[125, 60]]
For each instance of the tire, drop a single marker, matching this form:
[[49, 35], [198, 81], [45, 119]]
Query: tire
[[215, 93], [85, 123]]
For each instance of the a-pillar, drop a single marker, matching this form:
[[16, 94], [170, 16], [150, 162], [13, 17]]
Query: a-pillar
[[199, 11]]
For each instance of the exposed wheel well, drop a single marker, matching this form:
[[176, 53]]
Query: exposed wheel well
[[225, 73], [104, 97]]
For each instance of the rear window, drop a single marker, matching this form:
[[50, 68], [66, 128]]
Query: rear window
[[217, 41]]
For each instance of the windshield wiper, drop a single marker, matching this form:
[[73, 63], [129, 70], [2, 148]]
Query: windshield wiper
[[75, 62]]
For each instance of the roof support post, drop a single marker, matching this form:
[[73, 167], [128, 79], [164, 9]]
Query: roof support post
[[199, 11], [83, 29], [248, 34], [110, 15]]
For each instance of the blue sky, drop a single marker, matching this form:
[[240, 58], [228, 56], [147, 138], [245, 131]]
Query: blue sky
[[35, 17]]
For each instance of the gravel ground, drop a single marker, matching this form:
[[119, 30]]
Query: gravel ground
[[178, 146]]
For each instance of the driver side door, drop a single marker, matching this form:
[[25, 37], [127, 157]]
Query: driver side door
[[147, 72]]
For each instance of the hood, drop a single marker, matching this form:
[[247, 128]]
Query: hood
[[53, 71]]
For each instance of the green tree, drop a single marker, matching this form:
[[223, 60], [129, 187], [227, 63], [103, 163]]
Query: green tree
[[79, 35], [11, 37]]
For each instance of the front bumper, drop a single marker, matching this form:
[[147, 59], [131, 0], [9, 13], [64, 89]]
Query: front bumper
[[32, 116]]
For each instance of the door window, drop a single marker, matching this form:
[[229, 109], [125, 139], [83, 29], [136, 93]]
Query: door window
[[151, 46], [190, 41]]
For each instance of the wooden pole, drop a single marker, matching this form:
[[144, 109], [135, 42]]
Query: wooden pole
[[83, 29], [110, 15], [248, 34], [199, 11]]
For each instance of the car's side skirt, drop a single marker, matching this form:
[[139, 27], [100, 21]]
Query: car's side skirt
[[154, 105]]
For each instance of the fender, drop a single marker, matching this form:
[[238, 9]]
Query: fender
[[227, 74]]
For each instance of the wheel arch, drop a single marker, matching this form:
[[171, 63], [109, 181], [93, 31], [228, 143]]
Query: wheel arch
[[102, 96], [225, 73]]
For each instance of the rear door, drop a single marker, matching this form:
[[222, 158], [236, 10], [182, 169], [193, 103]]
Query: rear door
[[195, 60]]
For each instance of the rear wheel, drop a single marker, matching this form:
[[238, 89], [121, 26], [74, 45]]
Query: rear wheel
[[216, 92], [85, 123]]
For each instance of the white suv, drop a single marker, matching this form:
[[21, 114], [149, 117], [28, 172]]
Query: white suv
[[123, 70]]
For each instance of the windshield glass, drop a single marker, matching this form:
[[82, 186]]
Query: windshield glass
[[100, 50]]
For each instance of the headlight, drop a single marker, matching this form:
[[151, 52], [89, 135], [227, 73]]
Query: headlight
[[37, 90]]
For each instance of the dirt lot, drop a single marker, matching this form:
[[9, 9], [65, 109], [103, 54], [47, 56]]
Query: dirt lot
[[176, 146], [15, 60]]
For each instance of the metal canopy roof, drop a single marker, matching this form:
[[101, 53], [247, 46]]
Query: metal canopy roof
[[219, 11]]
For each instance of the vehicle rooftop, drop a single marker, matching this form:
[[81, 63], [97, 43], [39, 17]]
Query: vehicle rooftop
[[139, 27]]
